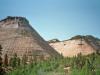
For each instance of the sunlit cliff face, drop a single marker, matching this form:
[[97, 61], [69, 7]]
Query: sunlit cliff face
[[17, 36], [73, 47]]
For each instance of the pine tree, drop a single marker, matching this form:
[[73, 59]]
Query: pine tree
[[18, 61], [13, 61], [0, 56], [24, 59], [6, 60], [2, 72], [79, 61]]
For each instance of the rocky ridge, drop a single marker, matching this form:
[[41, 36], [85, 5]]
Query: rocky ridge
[[77, 44]]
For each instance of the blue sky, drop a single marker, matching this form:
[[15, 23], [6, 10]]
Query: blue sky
[[60, 19]]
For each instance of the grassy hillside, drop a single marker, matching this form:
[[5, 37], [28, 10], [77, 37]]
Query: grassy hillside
[[81, 65]]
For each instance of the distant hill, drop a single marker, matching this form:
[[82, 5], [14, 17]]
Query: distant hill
[[77, 44]]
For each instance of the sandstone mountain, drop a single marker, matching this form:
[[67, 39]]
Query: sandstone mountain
[[78, 44], [17, 36]]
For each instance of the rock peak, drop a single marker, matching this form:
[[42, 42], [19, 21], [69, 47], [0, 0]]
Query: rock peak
[[17, 36], [12, 18], [13, 22]]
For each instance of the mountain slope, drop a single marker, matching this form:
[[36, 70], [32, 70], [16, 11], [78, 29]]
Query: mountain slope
[[17, 36], [77, 44]]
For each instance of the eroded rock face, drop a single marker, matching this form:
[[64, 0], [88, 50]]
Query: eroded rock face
[[17, 36], [74, 46]]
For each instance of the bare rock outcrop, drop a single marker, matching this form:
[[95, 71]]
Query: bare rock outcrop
[[78, 44], [17, 36]]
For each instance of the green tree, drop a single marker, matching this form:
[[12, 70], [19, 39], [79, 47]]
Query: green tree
[[24, 59], [13, 61], [79, 61], [18, 61], [2, 72], [0, 56], [6, 60]]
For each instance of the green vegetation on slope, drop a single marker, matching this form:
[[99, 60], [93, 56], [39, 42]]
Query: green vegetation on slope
[[81, 65]]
